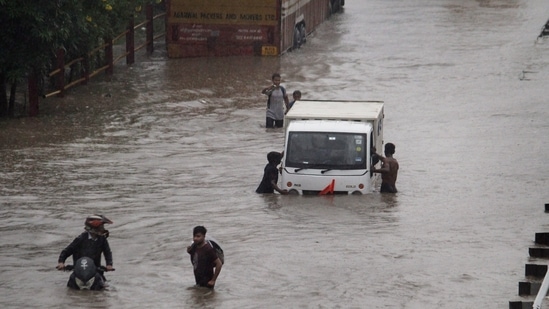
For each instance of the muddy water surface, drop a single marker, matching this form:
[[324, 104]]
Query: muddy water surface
[[170, 144]]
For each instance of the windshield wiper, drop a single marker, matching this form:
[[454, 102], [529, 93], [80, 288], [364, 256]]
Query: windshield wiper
[[308, 167], [327, 169], [303, 168]]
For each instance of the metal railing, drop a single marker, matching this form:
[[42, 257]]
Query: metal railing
[[109, 59]]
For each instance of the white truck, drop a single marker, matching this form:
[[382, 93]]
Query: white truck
[[329, 146]]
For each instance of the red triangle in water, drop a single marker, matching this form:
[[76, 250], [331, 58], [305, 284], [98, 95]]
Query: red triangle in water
[[329, 188]]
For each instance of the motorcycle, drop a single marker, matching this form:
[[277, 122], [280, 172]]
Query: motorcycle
[[86, 276]]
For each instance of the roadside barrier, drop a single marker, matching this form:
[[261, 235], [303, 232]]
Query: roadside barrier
[[533, 285], [542, 292]]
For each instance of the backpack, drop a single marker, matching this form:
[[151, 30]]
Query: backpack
[[269, 100], [218, 250]]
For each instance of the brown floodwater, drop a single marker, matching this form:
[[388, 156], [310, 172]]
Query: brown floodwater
[[168, 144]]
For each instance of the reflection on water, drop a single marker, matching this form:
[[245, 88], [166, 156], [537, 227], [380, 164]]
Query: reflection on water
[[170, 144]]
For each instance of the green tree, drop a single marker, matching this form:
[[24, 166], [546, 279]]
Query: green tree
[[33, 30]]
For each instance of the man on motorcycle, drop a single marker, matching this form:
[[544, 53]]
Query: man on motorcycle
[[91, 243]]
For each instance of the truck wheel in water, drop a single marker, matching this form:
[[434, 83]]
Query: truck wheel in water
[[335, 5], [303, 33], [297, 38], [293, 192]]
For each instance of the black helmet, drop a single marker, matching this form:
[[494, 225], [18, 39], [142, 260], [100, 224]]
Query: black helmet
[[84, 273], [95, 225]]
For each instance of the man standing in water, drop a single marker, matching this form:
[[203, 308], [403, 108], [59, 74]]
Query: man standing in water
[[388, 170], [276, 103], [204, 259]]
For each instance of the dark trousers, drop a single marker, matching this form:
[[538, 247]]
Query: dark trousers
[[271, 123], [387, 188]]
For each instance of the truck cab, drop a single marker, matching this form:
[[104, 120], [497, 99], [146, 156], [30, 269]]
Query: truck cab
[[329, 146]]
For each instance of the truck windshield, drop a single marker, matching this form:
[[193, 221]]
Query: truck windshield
[[322, 150]]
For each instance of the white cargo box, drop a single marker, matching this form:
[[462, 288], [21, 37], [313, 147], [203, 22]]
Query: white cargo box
[[336, 110]]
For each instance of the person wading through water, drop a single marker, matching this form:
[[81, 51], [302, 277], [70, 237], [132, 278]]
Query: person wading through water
[[388, 170], [204, 259]]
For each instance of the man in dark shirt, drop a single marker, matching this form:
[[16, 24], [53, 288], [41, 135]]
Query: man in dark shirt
[[270, 175], [204, 259]]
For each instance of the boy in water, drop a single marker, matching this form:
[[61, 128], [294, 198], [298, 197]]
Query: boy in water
[[204, 259], [296, 97], [270, 175]]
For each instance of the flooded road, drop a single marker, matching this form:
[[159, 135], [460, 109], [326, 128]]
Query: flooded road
[[170, 144]]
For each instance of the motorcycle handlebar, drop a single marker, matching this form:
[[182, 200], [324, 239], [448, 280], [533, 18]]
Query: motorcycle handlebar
[[100, 268]]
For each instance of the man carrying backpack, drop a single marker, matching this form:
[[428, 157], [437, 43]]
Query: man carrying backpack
[[277, 102], [204, 258]]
